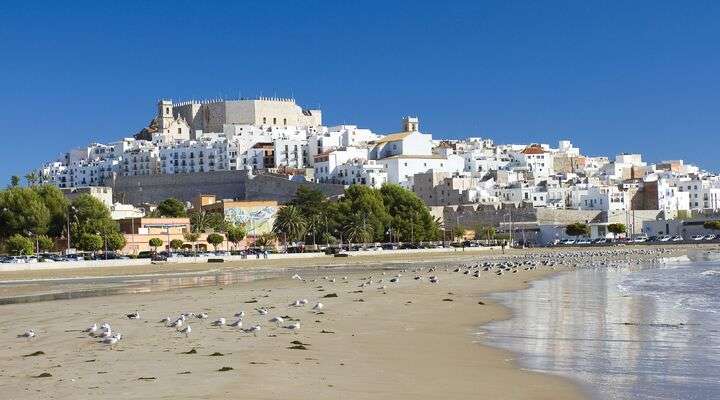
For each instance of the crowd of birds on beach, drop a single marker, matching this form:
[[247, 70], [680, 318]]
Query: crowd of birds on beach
[[382, 281]]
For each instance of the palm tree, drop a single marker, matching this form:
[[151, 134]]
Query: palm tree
[[356, 229], [290, 222], [199, 221], [31, 178], [314, 222]]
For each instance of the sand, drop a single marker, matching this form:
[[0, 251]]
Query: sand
[[415, 340]]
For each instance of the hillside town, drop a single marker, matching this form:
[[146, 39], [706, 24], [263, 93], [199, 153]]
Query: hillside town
[[194, 150]]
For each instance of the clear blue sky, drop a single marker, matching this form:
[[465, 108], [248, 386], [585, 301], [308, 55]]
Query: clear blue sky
[[637, 76]]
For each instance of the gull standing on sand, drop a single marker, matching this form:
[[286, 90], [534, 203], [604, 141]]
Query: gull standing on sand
[[218, 322], [318, 306], [253, 329], [92, 329], [186, 330], [277, 320], [293, 327], [262, 311], [240, 315], [236, 324], [30, 333]]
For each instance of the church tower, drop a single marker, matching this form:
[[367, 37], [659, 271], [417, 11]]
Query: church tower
[[165, 115], [411, 124]]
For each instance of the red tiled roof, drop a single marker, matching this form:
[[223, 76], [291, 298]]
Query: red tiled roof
[[533, 149]]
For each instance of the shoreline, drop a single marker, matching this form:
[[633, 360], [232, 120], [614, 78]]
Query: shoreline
[[413, 340]]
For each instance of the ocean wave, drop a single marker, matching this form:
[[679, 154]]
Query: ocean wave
[[710, 272]]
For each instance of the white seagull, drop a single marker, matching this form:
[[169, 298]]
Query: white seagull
[[318, 306], [241, 314], [277, 320], [186, 330], [253, 329], [92, 329], [293, 327], [218, 322], [28, 334], [262, 311], [236, 324]]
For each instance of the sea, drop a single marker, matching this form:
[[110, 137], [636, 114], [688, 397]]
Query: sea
[[628, 332]]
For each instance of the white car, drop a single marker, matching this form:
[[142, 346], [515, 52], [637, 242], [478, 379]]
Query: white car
[[677, 239], [584, 241], [710, 237], [665, 238], [697, 237], [640, 239]]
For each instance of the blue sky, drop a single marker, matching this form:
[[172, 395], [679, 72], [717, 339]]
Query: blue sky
[[636, 76]]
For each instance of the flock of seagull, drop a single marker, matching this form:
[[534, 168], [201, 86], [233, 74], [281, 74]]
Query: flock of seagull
[[507, 265]]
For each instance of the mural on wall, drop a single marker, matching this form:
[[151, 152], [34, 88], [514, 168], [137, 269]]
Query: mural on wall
[[257, 220]]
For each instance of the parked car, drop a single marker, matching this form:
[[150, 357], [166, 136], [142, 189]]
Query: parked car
[[665, 238], [697, 238], [677, 239], [584, 241], [710, 237], [640, 239]]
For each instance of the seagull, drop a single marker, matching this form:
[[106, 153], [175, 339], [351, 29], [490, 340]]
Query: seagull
[[318, 306], [135, 315], [92, 329], [236, 324], [201, 316], [303, 301], [106, 333], [241, 314], [296, 276], [218, 322], [253, 329], [293, 327], [262, 311], [277, 320], [165, 320], [177, 323], [186, 330], [28, 334]]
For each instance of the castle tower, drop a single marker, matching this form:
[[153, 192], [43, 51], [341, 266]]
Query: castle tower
[[165, 115], [411, 124]]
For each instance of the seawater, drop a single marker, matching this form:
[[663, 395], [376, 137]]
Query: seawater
[[622, 332]]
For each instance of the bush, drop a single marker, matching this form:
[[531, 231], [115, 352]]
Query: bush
[[19, 245]]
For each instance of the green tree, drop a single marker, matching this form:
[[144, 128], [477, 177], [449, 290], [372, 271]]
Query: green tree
[[115, 241], [91, 216], [22, 211], [155, 243], [57, 205], [90, 242], [14, 181], [617, 229], [410, 216], [45, 243], [171, 208], [203, 222], [19, 245], [577, 229], [357, 229], [714, 225], [368, 202], [265, 240], [176, 244], [215, 239], [290, 224], [31, 178], [191, 237], [486, 232], [236, 234], [458, 232]]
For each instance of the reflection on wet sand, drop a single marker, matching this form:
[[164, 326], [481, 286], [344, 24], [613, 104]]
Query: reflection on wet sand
[[624, 345]]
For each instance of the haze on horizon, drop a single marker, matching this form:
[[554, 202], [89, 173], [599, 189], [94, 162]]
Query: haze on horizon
[[638, 77]]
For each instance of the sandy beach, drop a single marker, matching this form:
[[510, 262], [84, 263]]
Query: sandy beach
[[412, 340]]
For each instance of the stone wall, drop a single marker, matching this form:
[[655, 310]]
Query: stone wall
[[223, 184]]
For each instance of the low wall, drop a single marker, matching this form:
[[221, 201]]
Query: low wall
[[191, 260]]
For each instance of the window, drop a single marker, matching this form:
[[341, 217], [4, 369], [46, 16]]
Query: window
[[264, 120], [179, 131], [274, 121], [284, 121], [167, 110]]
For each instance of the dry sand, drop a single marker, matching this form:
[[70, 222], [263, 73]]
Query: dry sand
[[407, 342]]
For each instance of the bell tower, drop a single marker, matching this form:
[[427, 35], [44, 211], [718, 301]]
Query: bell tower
[[165, 115], [410, 124]]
